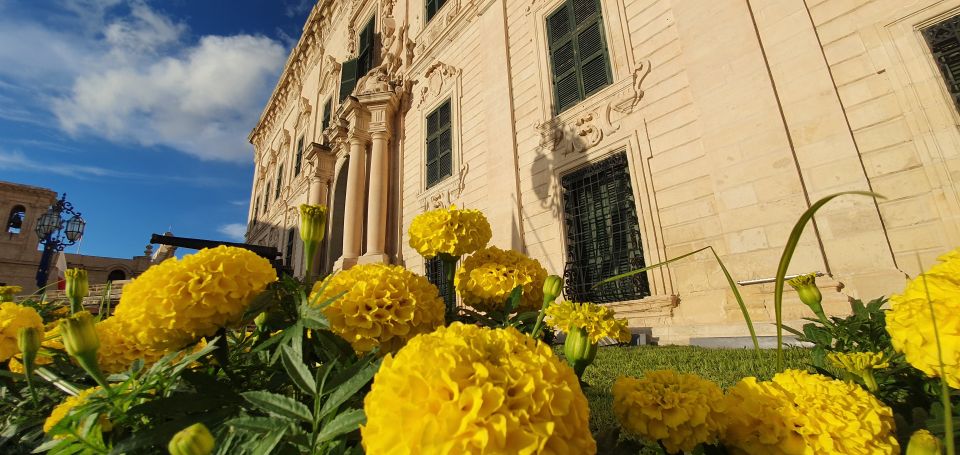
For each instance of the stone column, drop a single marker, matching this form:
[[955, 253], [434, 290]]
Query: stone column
[[381, 106], [354, 204], [377, 203]]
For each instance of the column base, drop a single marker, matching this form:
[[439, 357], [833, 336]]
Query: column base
[[344, 263], [374, 258]]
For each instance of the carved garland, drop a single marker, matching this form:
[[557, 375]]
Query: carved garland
[[435, 81], [589, 128]]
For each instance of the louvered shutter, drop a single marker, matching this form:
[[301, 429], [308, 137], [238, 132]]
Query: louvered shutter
[[326, 115], [439, 145], [276, 190], [578, 52], [944, 42], [348, 78], [563, 59], [366, 49]]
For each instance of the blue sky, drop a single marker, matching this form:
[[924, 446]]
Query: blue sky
[[139, 110]]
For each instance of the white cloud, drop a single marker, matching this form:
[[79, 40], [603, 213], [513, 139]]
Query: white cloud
[[234, 231], [140, 80]]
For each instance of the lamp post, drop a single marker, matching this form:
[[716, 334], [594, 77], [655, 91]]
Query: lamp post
[[57, 233]]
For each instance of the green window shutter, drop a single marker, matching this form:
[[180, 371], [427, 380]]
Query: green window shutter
[[603, 233], [944, 41], [326, 115], [439, 145], [367, 47], [578, 52], [348, 78], [266, 198], [433, 6], [256, 209], [299, 157], [288, 257], [276, 190]]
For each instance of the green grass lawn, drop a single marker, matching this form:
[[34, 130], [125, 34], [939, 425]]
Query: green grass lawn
[[723, 366]]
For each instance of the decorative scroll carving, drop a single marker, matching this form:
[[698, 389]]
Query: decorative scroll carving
[[452, 12], [437, 77], [446, 196], [331, 74], [585, 128]]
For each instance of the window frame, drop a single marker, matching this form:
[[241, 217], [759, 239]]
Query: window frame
[[276, 191], [298, 157]]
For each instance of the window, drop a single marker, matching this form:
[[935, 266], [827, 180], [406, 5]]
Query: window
[[288, 257], [256, 209], [432, 7], [353, 70], [266, 198], [578, 52], [298, 159], [116, 275], [434, 273], [944, 42], [15, 220], [276, 191], [603, 235], [439, 148], [327, 108]]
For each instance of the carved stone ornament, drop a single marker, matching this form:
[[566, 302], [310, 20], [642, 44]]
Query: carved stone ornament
[[331, 73], [590, 126], [435, 80], [444, 197], [439, 25]]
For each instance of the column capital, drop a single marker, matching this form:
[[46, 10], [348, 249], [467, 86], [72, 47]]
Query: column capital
[[380, 135]]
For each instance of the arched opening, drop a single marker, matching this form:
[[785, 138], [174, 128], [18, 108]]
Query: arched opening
[[117, 275], [15, 220], [336, 217]]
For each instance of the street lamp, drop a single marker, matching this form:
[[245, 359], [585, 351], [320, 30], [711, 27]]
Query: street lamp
[[57, 233]]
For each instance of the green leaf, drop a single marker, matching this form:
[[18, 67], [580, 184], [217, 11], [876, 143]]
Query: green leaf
[[256, 424], [268, 443], [788, 251], [348, 389], [298, 372], [343, 423], [279, 404]]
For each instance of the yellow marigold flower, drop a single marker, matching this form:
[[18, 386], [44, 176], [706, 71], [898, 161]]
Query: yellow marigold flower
[[469, 389], [910, 325], [13, 317], [802, 413], [680, 411], [8, 292], [449, 231], [599, 321], [384, 305], [118, 350], [178, 301], [16, 363], [486, 278], [66, 406]]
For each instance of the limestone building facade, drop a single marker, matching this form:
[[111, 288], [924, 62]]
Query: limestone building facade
[[21, 206], [603, 135]]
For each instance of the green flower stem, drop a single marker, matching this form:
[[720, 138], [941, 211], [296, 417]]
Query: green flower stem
[[944, 388], [309, 255], [89, 364], [76, 304], [538, 327]]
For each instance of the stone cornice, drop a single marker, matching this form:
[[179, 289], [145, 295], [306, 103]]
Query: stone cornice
[[302, 57], [29, 189]]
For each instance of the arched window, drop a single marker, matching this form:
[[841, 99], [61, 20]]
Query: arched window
[[117, 275], [15, 220]]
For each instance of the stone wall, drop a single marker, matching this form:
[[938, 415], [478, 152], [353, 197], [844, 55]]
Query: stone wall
[[735, 116]]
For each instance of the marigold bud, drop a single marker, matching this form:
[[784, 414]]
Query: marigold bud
[[7, 292], [193, 440], [313, 225], [80, 334], [922, 442], [806, 287], [579, 351], [552, 287], [78, 287], [29, 340]]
